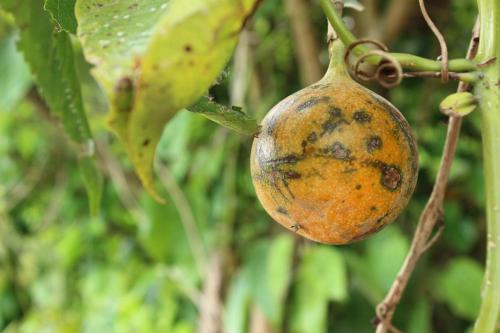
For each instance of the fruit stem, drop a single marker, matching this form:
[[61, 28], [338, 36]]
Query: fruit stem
[[408, 61], [336, 67], [488, 92]]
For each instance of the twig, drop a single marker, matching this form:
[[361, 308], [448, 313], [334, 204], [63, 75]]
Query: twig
[[466, 77], [432, 213]]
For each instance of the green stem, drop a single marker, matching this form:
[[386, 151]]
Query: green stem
[[488, 91], [408, 61]]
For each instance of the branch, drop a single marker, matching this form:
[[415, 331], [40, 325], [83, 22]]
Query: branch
[[407, 61], [431, 215]]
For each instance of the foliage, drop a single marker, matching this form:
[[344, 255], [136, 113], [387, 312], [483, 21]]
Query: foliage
[[136, 265]]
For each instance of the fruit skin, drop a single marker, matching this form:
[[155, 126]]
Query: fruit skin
[[334, 162]]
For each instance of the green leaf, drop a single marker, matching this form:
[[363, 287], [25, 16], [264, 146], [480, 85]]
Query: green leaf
[[156, 59], [269, 267], [232, 118], [459, 285], [50, 57], [321, 277], [388, 244], [63, 12], [420, 318], [459, 104], [16, 78], [236, 309]]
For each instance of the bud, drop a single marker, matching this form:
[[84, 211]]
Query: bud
[[458, 104]]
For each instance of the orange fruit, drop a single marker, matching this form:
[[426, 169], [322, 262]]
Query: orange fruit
[[334, 162]]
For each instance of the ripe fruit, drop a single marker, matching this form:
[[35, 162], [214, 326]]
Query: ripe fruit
[[334, 162]]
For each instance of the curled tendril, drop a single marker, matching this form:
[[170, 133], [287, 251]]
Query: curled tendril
[[388, 71], [442, 42]]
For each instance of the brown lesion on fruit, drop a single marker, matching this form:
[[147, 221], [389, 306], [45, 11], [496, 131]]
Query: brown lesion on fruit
[[282, 210], [295, 227], [391, 176], [311, 138], [319, 86], [288, 159], [349, 170], [382, 218], [373, 143], [279, 172], [312, 102], [362, 117], [335, 119], [338, 151]]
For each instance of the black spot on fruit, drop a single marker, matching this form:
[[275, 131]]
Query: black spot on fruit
[[312, 137], [373, 143], [358, 187], [188, 48], [289, 159], [362, 117], [282, 210], [145, 143], [291, 175], [312, 102], [334, 120], [335, 112]]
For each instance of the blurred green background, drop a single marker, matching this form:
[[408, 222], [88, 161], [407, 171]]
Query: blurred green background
[[211, 260]]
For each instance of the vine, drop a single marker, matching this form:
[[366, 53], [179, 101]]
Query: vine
[[483, 71]]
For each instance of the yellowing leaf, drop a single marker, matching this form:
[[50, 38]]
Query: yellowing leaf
[[115, 36], [154, 58], [190, 47]]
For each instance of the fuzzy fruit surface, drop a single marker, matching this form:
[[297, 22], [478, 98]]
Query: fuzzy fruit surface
[[334, 162]]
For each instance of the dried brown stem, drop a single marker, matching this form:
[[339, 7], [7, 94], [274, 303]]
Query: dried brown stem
[[431, 215]]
